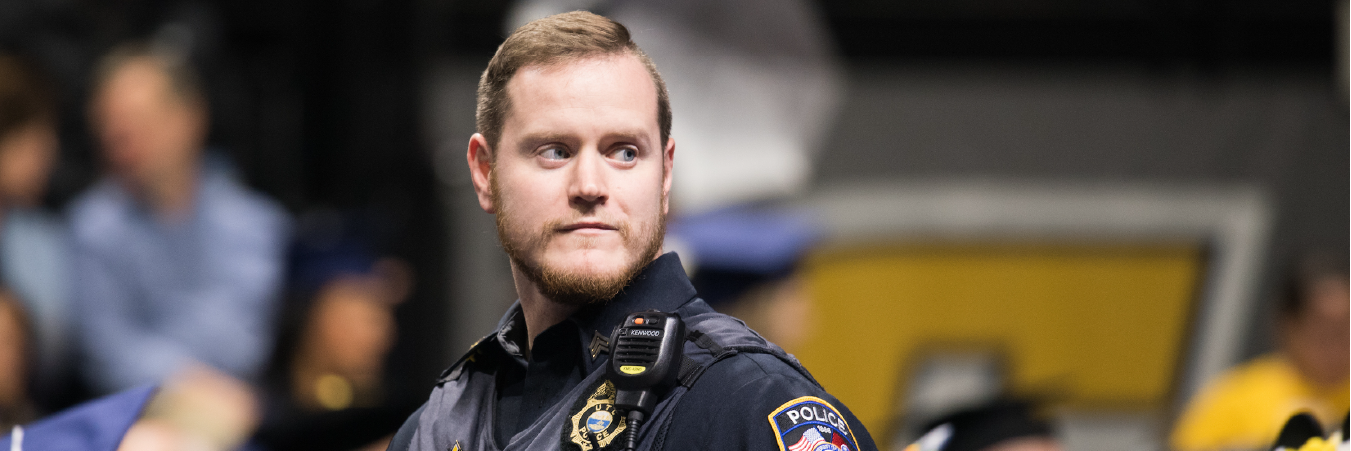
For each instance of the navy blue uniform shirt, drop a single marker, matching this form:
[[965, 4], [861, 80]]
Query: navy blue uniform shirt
[[733, 405]]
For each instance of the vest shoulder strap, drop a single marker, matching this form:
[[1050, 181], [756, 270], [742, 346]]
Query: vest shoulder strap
[[714, 337]]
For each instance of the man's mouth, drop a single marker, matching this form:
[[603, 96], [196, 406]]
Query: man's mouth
[[586, 226]]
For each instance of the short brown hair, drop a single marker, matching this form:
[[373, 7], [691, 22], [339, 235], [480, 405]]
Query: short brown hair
[[551, 40], [25, 95]]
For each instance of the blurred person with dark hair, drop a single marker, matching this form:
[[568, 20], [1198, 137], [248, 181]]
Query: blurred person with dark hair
[[338, 358], [575, 159], [1000, 425], [1246, 407], [178, 265], [325, 385], [33, 244]]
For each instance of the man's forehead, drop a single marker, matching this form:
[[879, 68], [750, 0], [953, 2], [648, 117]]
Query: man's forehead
[[142, 80], [137, 75], [559, 65], [612, 79], [603, 65]]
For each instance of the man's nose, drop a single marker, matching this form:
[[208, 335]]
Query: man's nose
[[588, 179]]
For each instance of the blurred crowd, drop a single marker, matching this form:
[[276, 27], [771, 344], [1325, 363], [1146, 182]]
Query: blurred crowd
[[168, 270]]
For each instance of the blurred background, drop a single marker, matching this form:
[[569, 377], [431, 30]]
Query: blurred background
[[1091, 205]]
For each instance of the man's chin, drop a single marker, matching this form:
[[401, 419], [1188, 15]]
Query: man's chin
[[581, 288], [590, 262], [577, 280], [581, 272]]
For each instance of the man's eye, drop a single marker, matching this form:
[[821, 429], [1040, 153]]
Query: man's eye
[[626, 154], [555, 153]]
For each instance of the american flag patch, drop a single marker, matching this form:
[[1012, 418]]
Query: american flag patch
[[811, 424]]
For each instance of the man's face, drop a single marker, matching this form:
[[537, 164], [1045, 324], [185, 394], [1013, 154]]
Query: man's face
[[580, 178], [1317, 338], [146, 131]]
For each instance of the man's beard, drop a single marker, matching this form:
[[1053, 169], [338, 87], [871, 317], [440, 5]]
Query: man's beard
[[558, 283]]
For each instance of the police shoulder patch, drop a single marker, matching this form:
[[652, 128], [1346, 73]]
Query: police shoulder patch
[[811, 424], [594, 424]]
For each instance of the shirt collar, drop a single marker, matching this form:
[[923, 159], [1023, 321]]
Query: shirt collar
[[510, 333]]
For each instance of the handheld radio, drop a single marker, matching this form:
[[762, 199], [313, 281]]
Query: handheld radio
[[645, 355]]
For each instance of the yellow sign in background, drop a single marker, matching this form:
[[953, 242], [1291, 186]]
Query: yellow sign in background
[[1098, 325]]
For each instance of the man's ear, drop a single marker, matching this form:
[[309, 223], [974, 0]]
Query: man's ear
[[667, 164], [480, 158]]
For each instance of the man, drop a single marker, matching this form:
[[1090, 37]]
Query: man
[[177, 264], [1246, 407], [574, 158]]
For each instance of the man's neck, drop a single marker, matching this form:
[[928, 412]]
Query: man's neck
[[171, 195], [540, 312]]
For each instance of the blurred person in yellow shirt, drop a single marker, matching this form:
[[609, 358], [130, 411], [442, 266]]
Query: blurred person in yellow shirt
[[1245, 407]]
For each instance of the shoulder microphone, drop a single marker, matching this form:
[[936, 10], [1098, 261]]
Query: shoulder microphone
[[646, 353]]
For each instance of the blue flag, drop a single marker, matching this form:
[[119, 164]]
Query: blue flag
[[96, 425]]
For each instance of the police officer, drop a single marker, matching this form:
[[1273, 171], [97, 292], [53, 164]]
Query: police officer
[[574, 158]]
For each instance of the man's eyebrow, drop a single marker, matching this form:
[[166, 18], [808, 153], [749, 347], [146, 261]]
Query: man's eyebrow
[[532, 138], [636, 136]]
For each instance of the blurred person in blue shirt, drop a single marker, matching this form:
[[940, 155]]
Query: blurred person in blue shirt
[[177, 265]]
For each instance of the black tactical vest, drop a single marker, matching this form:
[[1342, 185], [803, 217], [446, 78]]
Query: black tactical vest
[[459, 414]]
